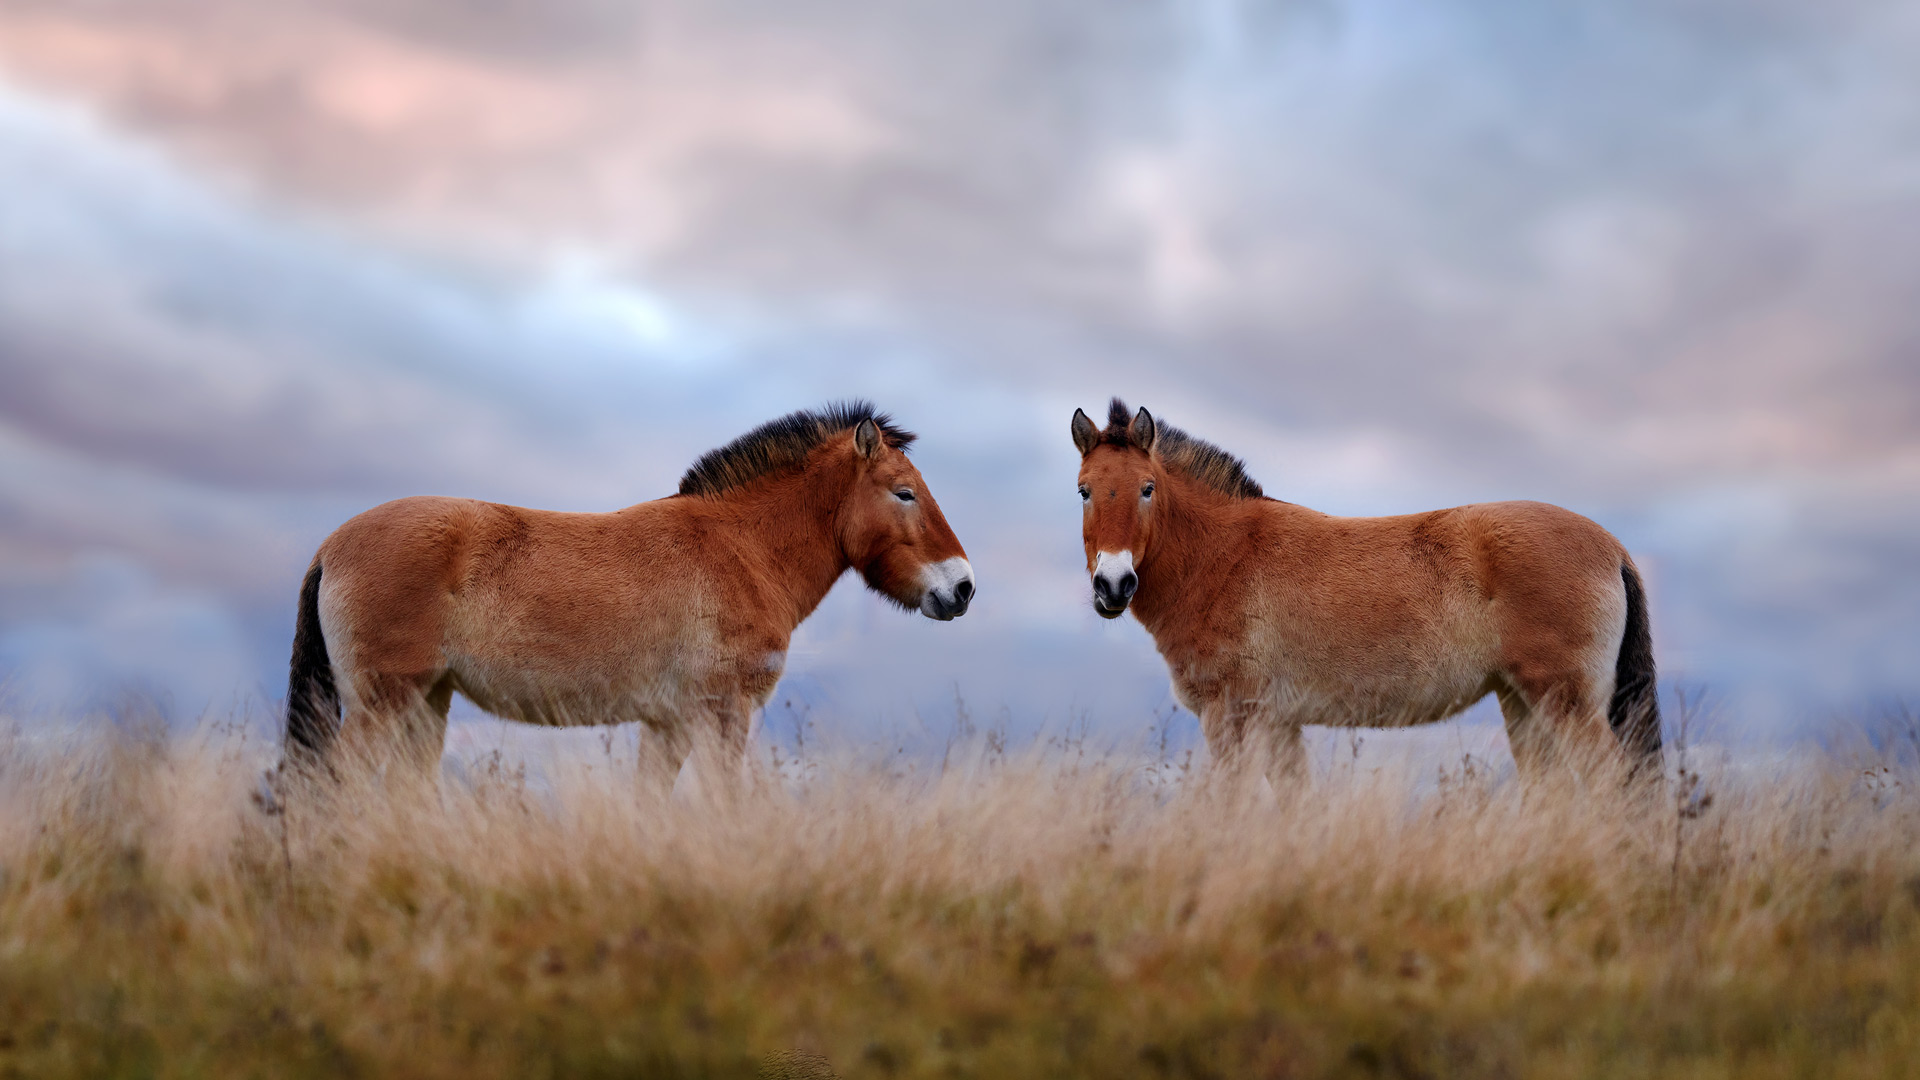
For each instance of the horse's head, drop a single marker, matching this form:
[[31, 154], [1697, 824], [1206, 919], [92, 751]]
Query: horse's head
[[1118, 478], [894, 534]]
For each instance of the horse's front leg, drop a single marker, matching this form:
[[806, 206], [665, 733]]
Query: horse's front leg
[[732, 725], [718, 743], [663, 750], [1224, 723], [1284, 750], [1248, 738]]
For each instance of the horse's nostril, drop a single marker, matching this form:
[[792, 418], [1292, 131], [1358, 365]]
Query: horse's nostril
[[1128, 584], [964, 591]]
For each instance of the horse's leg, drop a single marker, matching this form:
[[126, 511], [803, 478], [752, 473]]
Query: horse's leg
[[390, 643], [1558, 653], [426, 733], [1558, 721], [662, 755], [1285, 750], [1224, 736], [397, 717], [1531, 753], [1239, 751], [720, 758]]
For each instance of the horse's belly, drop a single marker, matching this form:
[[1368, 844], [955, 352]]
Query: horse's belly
[[1414, 680], [600, 656], [652, 692], [1380, 700]]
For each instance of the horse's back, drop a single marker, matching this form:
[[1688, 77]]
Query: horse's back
[[1525, 533], [552, 587], [1405, 619], [402, 538], [469, 547], [404, 559]]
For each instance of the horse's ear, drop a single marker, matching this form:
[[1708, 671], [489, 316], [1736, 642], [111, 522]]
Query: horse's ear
[[1141, 432], [866, 438], [1085, 435]]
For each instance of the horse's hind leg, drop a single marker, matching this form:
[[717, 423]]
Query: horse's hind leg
[[385, 618], [398, 718], [1531, 753], [426, 734], [1557, 658], [1557, 724]]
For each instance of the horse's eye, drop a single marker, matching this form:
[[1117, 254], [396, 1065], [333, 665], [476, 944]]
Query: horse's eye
[[1147, 492], [903, 495], [1085, 492]]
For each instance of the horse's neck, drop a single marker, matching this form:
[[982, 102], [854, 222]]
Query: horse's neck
[[1189, 549], [790, 524]]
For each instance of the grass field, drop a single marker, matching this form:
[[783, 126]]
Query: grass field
[[1057, 913]]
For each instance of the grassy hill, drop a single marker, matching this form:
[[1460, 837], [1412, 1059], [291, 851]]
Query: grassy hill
[[1053, 914]]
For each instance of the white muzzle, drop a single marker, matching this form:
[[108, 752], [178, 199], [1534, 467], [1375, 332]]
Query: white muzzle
[[947, 589]]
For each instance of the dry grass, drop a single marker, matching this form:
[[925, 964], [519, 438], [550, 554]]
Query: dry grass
[[1054, 915]]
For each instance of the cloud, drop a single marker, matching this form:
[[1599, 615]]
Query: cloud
[[1652, 261], [202, 389], [106, 636]]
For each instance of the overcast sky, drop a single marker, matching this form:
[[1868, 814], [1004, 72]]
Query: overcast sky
[[263, 266]]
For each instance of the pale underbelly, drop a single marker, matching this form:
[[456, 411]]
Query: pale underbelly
[[1375, 698], [1373, 703], [658, 695], [1400, 680]]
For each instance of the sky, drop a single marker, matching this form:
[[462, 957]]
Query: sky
[[265, 266]]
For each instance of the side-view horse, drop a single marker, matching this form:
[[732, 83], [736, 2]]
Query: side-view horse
[[675, 613], [1271, 616]]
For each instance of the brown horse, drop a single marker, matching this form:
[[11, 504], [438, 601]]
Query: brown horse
[[1271, 615], [675, 613]]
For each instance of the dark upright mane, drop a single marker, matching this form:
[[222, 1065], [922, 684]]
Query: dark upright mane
[[1186, 455], [779, 445]]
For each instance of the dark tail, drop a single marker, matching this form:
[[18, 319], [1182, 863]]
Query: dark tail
[[313, 702], [1635, 710]]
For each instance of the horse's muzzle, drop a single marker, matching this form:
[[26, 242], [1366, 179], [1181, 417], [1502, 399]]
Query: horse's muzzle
[[1113, 589], [949, 590]]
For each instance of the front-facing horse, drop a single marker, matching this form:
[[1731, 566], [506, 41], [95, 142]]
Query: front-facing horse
[[1271, 616], [675, 613]]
